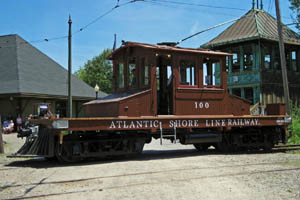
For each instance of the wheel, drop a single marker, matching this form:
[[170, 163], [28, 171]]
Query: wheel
[[268, 146], [63, 153], [51, 159], [268, 143], [201, 147], [223, 147]]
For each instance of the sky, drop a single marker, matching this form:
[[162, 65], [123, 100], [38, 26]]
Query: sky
[[147, 21]]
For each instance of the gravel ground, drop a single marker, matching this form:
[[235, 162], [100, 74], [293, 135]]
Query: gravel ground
[[161, 172]]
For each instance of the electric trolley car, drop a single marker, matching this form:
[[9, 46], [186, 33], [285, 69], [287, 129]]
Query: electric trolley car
[[160, 92]]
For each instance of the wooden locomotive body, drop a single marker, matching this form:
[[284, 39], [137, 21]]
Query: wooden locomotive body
[[151, 80], [160, 92]]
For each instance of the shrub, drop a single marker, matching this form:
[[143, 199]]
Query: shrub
[[294, 128]]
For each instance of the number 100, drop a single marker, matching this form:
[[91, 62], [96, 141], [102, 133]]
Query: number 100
[[201, 105]]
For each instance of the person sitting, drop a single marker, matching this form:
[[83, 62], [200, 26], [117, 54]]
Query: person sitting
[[133, 78]]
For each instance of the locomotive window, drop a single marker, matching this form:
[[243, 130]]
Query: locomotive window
[[132, 72], [211, 74], [187, 73], [121, 76], [216, 74], [144, 73]]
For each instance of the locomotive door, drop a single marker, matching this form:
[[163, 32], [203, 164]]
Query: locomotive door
[[164, 80]]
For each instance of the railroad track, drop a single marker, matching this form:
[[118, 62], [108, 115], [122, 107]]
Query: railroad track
[[291, 147], [152, 183]]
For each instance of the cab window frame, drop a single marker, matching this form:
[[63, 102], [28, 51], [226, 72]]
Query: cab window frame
[[132, 73], [191, 64], [144, 69]]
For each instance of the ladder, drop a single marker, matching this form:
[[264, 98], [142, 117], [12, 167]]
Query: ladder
[[168, 135]]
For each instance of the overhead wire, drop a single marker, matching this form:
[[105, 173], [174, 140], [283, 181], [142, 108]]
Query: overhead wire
[[103, 15], [198, 5], [156, 2], [80, 30], [210, 28], [164, 4], [295, 23]]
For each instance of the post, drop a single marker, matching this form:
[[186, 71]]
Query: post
[[282, 59], [70, 69], [1, 139]]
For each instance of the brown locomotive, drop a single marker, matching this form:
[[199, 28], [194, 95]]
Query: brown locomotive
[[160, 91]]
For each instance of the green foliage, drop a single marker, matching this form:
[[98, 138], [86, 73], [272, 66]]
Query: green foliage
[[295, 7], [295, 126], [97, 71]]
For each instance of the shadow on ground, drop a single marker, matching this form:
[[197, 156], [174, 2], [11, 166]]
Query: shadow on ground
[[146, 155]]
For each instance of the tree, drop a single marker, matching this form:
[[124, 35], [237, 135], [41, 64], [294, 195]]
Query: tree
[[295, 7], [97, 71]]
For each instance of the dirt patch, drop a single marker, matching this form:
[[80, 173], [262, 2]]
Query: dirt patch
[[161, 172]]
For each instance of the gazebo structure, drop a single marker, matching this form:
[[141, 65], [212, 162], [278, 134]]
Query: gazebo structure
[[254, 71]]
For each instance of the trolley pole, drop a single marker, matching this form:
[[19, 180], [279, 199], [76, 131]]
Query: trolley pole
[[283, 61], [70, 68], [1, 139]]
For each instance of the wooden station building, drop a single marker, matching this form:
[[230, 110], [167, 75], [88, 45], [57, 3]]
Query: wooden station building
[[254, 70], [28, 77]]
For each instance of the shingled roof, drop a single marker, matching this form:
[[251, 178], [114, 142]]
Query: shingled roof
[[27, 71], [255, 24]]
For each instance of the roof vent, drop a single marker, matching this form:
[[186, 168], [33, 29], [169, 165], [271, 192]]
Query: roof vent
[[171, 44]]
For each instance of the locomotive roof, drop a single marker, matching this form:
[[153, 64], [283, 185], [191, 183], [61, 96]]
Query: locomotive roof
[[168, 48]]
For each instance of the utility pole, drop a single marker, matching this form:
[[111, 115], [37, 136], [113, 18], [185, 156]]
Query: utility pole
[[1, 139], [282, 59], [70, 69]]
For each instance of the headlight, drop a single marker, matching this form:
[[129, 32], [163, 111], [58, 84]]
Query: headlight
[[288, 120], [61, 124], [34, 130]]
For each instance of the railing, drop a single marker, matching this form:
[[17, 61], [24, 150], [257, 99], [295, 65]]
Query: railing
[[255, 109]]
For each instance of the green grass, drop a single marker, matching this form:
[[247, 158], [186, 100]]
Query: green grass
[[294, 128], [292, 163], [294, 152]]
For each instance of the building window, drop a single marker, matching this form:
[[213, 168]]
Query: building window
[[277, 64], [248, 61], [267, 61], [288, 60], [236, 62], [61, 108], [294, 61], [121, 76], [227, 63], [267, 57], [249, 94], [237, 92], [187, 74]]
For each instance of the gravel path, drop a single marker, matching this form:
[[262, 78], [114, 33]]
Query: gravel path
[[161, 172]]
